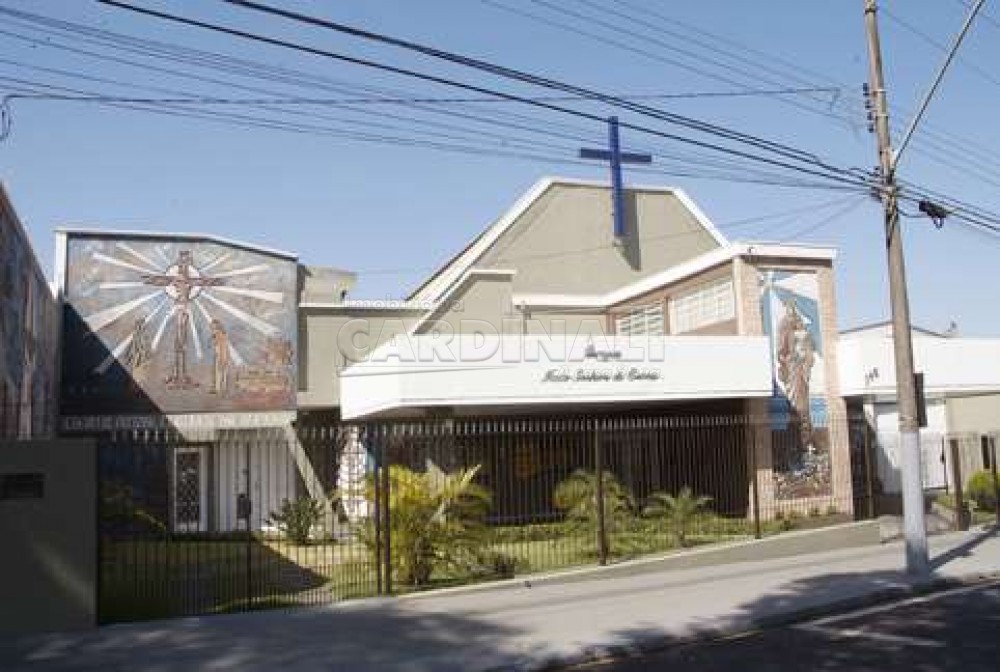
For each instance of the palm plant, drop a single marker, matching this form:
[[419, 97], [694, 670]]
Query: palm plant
[[576, 496], [435, 520], [678, 510]]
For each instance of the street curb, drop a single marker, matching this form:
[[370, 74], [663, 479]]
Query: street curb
[[612, 653]]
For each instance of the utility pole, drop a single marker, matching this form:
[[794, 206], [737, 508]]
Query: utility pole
[[914, 527]]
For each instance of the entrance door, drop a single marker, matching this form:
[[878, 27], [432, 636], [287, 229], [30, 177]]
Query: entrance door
[[189, 486]]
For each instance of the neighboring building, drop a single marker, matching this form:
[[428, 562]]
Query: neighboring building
[[29, 332], [961, 387], [196, 336], [975, 424]]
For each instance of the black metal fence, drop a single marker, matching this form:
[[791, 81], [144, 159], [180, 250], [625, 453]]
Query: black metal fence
[[209, 521]]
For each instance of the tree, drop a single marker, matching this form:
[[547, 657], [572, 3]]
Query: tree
[[679, 511], [435, 521]]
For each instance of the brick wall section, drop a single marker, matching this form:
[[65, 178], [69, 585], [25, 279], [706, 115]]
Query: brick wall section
[[751, 323], [745, 272]]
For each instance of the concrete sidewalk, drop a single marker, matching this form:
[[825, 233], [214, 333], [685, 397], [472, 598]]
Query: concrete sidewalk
[[512, 627]]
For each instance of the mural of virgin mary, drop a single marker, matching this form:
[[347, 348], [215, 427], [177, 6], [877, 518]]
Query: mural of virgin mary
[[796, 355]]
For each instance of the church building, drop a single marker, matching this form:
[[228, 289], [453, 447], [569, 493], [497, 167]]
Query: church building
[[551, 312]]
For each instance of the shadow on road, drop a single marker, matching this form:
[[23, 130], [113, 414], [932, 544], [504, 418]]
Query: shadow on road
[[359, 637], [935, 635], [963, 550]]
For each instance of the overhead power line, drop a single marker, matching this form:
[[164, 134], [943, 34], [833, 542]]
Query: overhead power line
[[706, 49], [511, 73], [339, 102], [937, 82], [853, 177], [724, 169], [778, 148], [508, 149], [847, 204], [173, 53]]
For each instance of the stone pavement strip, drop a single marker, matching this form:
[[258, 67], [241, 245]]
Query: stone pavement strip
[[514, 626]]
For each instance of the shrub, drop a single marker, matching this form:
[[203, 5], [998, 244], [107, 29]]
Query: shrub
[[577, 498], [297, 517], [517, 534], [679, 511], [500, 564], [980, 489], [786, 520]]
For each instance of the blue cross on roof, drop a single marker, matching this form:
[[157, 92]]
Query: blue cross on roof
[[616, 157]]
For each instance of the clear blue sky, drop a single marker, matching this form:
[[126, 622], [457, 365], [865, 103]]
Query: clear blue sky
[[394, 212]]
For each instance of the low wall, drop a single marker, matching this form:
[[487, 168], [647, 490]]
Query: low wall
[[48, 568]]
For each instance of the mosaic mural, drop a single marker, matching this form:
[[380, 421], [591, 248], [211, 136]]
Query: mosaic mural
[[169, 325], [800, 427], [28, 332]]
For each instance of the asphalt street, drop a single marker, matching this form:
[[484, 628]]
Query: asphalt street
[[957, 629]]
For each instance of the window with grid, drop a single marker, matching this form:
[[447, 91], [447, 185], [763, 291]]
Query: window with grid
[[708, 304], [645, 320]]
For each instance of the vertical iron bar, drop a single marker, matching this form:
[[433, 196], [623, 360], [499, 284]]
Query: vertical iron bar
[[98, 538], [757, 532], [996, 479], [387, 513], [602, 532], [961, 521], [377, 503], [249, 545], [869, 475]]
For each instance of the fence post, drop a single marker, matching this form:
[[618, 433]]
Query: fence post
[[249, 512], [755, 485], [376, 443], [961, 519], [99, 511], [386, 513], [869, 474], [602, 532], [996, 479]]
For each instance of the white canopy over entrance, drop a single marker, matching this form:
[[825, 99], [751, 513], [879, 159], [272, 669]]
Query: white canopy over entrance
[[490, 370]]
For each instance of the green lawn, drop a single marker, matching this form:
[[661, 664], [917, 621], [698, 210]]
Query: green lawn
[[156, 578], [979, 516]]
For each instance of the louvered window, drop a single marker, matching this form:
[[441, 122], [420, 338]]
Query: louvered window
[[645, 320], [709, 304]]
